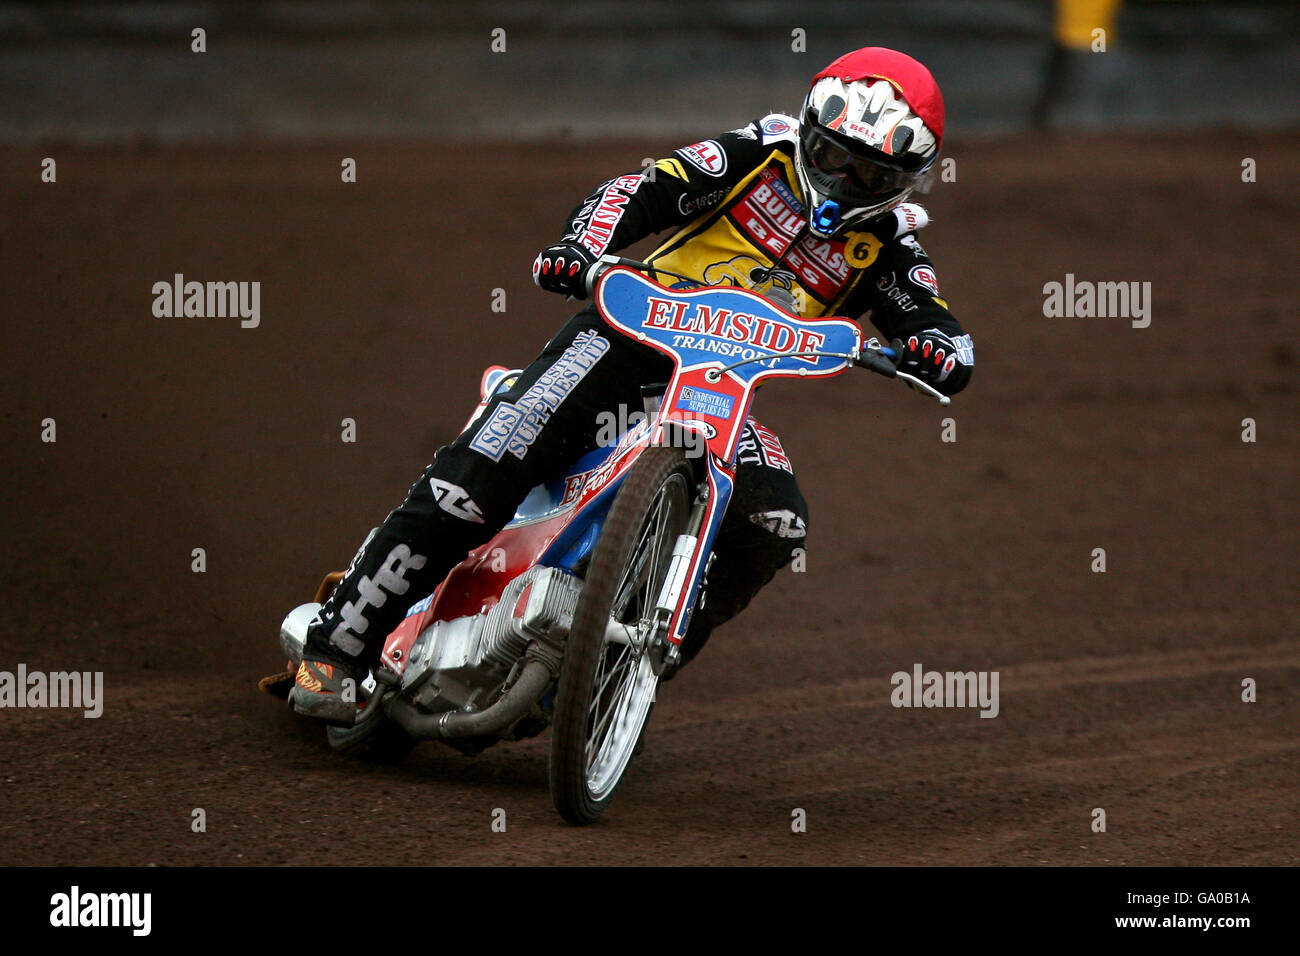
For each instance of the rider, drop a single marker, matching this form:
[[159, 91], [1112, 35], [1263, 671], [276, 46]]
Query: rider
[[809, 212]]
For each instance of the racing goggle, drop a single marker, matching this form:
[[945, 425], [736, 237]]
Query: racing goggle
[[863, 178]]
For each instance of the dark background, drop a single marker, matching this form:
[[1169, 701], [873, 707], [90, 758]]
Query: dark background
[[591, 69]]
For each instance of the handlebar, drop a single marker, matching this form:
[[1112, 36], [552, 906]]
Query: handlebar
[[879, 359], [882, 360], [872, 356], [607, 262]]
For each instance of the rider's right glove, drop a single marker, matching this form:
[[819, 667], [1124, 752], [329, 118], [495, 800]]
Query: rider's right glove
[[563, 268], [939, 360]]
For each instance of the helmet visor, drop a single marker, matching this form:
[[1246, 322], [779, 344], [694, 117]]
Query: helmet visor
[[845, 171]]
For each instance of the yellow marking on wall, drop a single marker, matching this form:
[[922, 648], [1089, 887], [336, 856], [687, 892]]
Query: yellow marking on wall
[[1076, 19]]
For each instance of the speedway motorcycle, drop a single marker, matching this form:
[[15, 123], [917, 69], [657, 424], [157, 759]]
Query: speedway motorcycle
[[569, 616]]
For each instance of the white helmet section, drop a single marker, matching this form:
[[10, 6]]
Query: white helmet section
[[873, 112]]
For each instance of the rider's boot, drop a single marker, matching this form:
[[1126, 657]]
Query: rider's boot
[[327, 690], [400, 563]]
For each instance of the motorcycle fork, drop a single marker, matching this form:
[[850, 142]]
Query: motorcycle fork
[[661, 650]]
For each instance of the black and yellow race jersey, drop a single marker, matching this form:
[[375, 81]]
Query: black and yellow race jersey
[[738, 217]]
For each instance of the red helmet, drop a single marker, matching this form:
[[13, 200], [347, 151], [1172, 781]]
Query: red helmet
[[870, 130]]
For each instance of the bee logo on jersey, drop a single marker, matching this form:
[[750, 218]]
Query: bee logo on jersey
[[747, 273]]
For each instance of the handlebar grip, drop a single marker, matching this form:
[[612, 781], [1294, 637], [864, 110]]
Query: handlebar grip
[[878, 361], [603, 265]]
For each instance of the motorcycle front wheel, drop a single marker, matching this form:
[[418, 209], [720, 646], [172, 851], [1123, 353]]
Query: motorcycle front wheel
[[607, 684]]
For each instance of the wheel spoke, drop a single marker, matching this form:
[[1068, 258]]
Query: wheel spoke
[[645, 568], [633, 575], [619, 665], [606, 674], [622, 686], [599, 736]]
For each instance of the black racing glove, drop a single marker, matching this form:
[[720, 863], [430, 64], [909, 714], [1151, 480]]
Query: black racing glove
[[938, 359], [563, 268]]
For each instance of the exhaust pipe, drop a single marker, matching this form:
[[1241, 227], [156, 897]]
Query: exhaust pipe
[[514, 704]]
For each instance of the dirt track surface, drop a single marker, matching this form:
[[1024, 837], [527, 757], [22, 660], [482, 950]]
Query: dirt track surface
[[1118, 690]]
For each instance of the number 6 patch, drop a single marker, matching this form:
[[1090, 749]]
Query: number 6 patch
[[861, 249]]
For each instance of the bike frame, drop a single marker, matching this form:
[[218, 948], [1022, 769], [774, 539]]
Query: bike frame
[[724, 343]]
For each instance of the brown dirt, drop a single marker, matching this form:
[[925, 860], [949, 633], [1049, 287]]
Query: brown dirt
[[1119, 690]]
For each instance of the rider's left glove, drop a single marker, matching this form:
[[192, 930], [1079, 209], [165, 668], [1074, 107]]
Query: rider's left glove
[[563, 268], [938, 359]]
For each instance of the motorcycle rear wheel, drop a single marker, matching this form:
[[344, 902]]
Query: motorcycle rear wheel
[[607, 688]]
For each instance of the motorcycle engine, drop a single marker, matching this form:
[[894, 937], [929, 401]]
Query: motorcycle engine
[[459, 664]]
